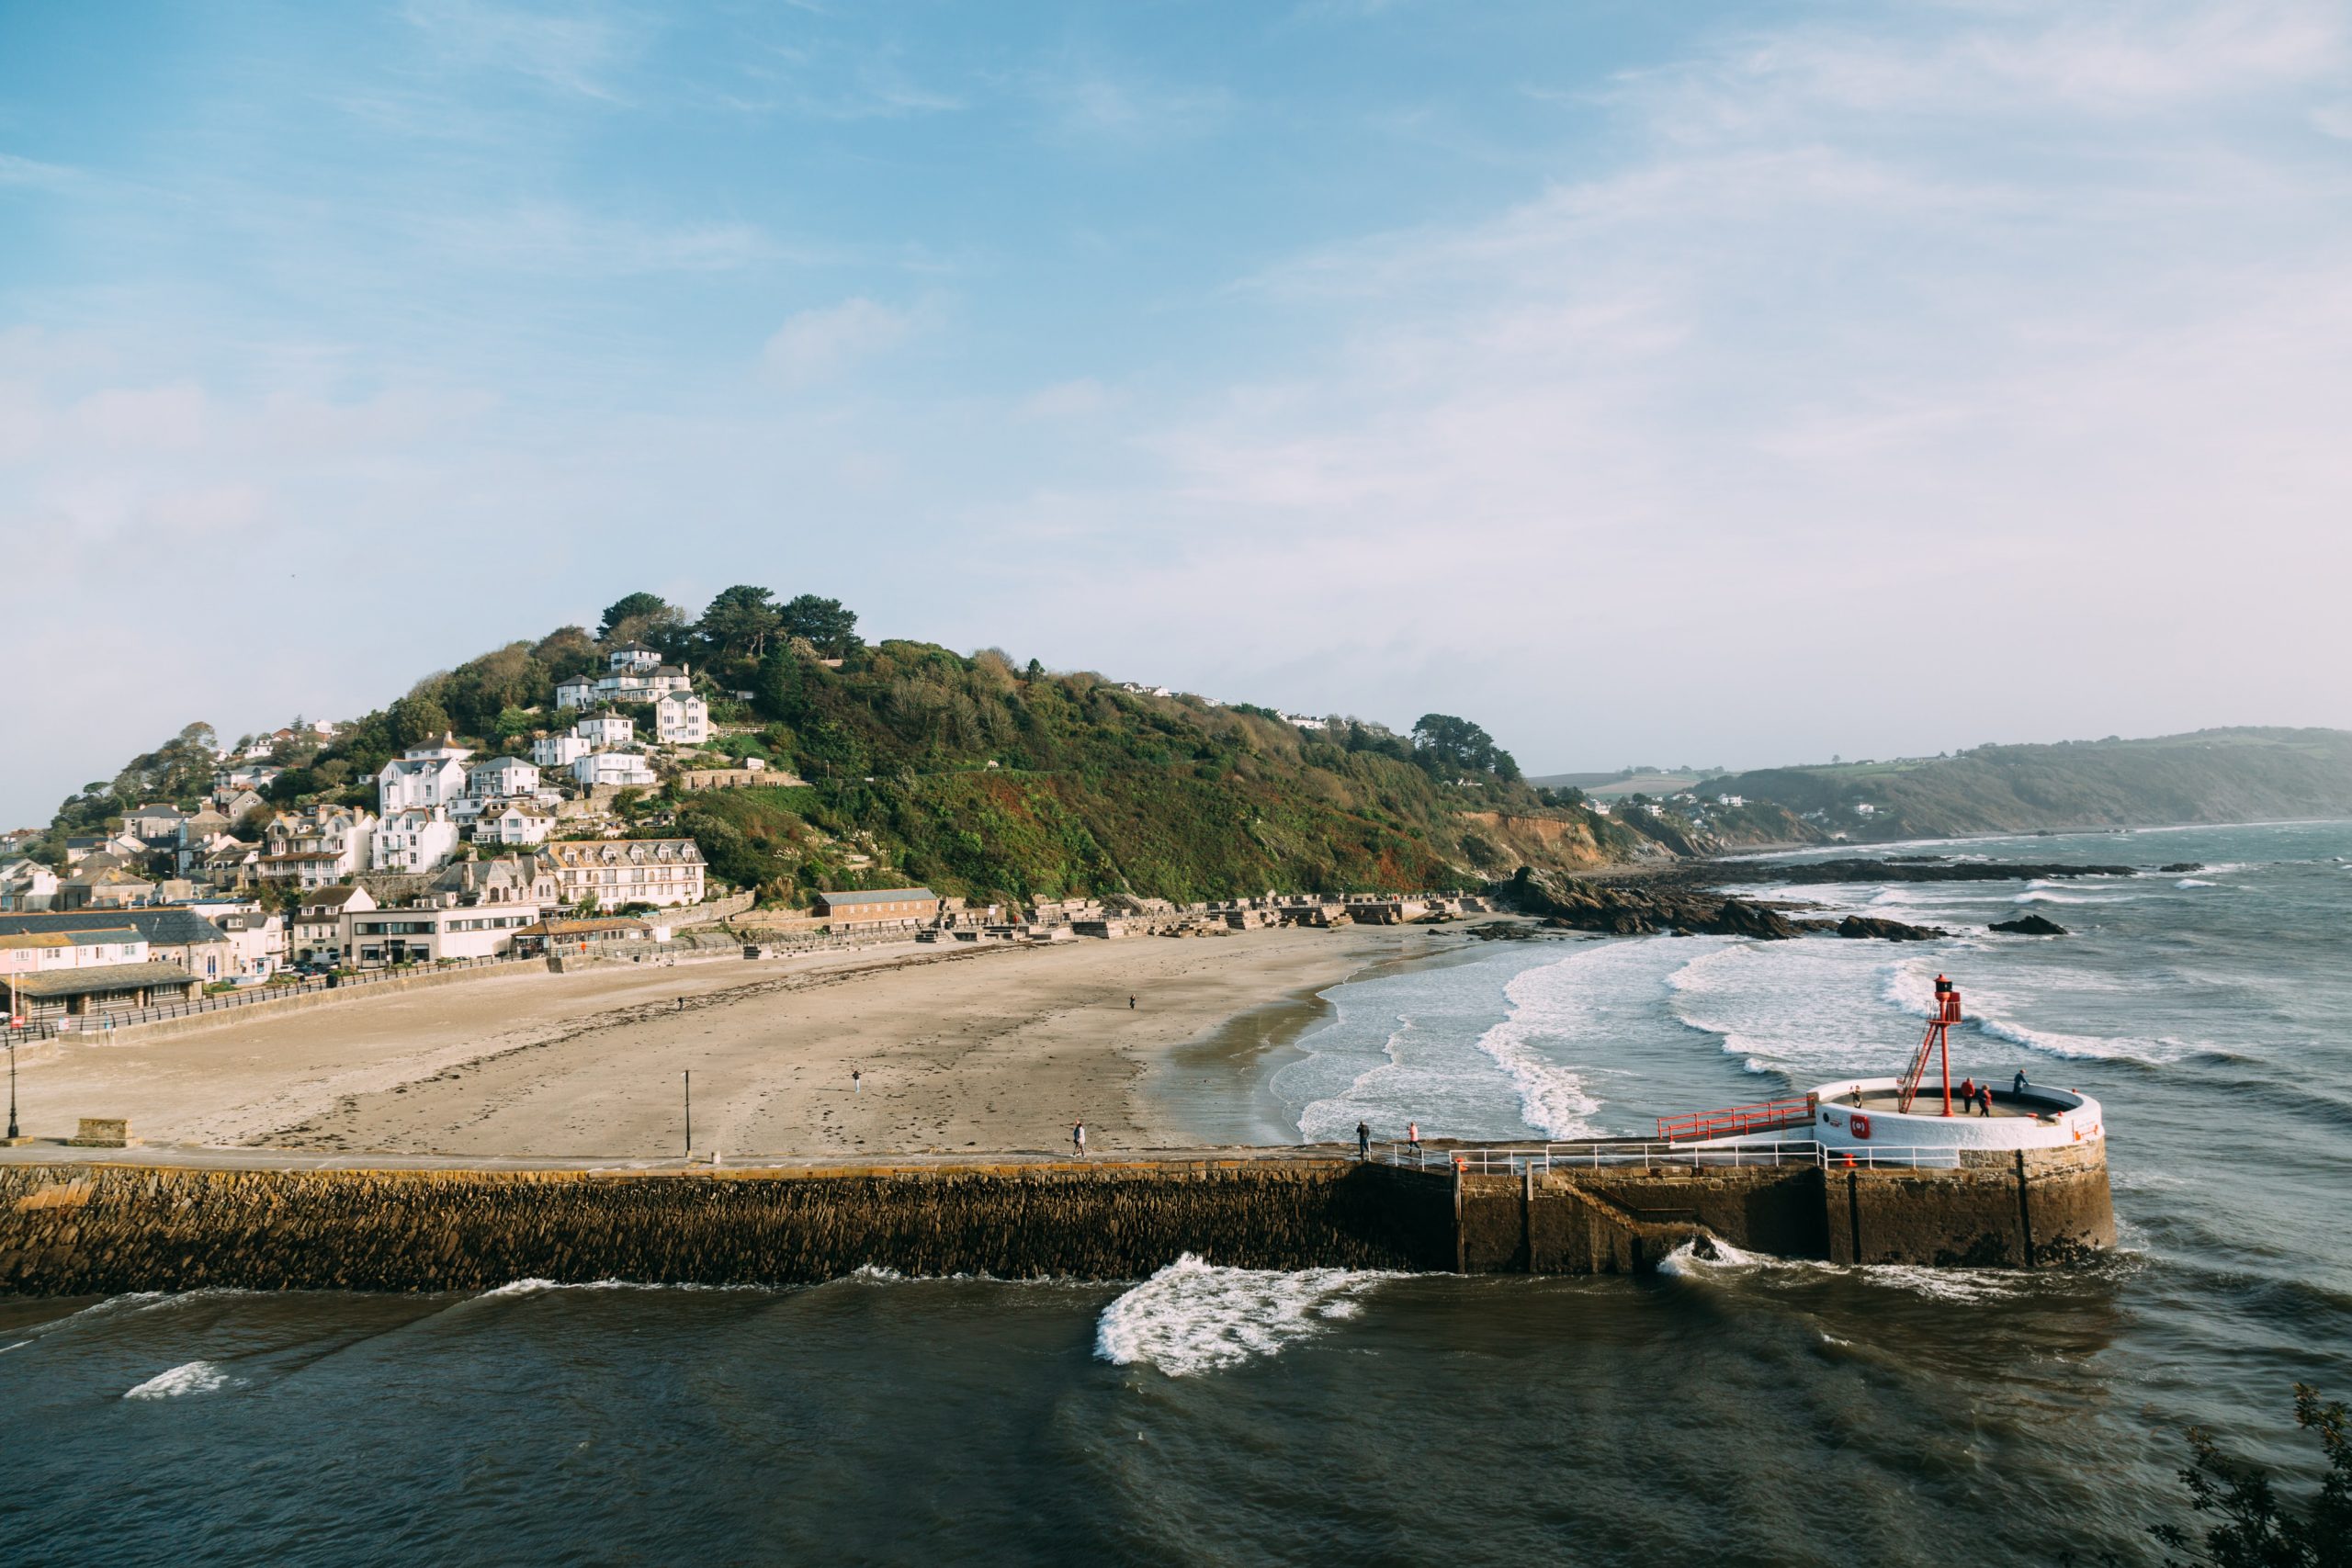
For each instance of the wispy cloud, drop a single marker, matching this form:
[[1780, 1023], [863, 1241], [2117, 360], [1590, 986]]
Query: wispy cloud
[[574, 51], [819, 345]]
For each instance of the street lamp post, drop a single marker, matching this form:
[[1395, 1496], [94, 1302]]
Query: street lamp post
[[690, 1105]]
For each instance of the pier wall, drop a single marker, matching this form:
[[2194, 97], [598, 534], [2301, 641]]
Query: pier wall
[[70, 1227]]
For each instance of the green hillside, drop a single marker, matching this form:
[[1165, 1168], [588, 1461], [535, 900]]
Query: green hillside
[[979, 776], [2213, 775]]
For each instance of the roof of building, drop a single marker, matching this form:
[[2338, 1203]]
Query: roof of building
[[84, 937], [877, 896], [633, 647], [164, 926], [329, 897], [601, 925], [96, 978]]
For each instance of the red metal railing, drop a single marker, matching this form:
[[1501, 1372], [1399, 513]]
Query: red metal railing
[[1765, 1117]]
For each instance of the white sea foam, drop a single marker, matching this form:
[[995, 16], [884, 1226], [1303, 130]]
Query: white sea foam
[[1544, 1002], [1194, 1316], [1704, 1260], [188, 1377], [2193, 882]]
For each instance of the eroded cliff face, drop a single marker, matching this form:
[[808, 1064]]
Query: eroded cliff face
[[1550, 844]]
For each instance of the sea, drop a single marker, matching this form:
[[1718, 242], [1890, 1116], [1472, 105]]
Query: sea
[[1730, 1410]]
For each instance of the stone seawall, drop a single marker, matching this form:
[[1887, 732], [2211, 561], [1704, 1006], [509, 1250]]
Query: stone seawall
[[68, 1228]]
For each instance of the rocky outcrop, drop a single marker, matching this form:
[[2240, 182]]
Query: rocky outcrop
[[1864, 926], [2182, 867], [2029, 925], [1639, 909]]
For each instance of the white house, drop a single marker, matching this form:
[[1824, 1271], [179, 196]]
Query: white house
[[27, 885], [427, 776], [612, 768], [558, 750], [681, 718], [577, 692], [515, 822], [604, 730], [416, 838], [1731, 800], [661, 871], [635, 657], [501, 777], [428, 934], [325, 844]]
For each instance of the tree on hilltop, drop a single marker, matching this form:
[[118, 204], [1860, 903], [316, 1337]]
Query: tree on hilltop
[[631, 607], [741, 621], [830, 628], [1446, 744]]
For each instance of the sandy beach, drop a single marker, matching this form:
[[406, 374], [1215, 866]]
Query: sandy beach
[[995, 1048]]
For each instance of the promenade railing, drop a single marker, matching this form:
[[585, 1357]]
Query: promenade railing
[[1509, 1160]]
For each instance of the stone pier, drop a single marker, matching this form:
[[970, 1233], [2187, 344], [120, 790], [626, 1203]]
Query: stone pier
[[193, 1219]]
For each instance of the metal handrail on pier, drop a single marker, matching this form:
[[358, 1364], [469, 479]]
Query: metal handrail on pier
[[1544, 1159]]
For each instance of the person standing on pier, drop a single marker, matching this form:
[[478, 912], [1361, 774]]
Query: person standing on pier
[[1363, 1140], [1985, 1099], [2017, 1085], [1413, 1137], [1078, 1139]]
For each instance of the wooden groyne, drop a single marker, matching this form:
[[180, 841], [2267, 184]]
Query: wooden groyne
[[71, 1228]]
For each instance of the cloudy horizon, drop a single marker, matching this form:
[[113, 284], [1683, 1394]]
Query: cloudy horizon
[[1735, 386]]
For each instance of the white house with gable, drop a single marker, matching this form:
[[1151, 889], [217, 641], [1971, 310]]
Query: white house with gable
[[416, 838], [501, 777], [681, 718], [428, 776], [604, 730], [558, 750], [621, 768]]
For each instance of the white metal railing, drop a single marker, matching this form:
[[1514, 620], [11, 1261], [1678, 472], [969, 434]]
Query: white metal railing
[[1540, 1159]]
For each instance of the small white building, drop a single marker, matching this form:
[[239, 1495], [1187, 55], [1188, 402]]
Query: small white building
[[500, 778], [428, 934], [576, 692], [681, 718], [515, 822], [623, 767], [558, 750], [417, 838], [604, 729]]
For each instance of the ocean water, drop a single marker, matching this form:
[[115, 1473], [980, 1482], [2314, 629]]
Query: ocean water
[[1731, 1410]]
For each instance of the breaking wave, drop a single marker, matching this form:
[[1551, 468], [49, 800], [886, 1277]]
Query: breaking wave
[[1194, 1316], [188, 1377], [1550, 1097]]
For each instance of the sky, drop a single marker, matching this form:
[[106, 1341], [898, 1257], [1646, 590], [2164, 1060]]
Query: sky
[[1707, 383]]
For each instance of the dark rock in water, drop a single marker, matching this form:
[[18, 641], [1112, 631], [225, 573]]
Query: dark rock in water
[[1642, 909], [1902, 869], [2029, 925], [2183, 865], [1888, 931]]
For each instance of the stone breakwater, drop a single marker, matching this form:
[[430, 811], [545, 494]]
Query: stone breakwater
[[75, 1228]]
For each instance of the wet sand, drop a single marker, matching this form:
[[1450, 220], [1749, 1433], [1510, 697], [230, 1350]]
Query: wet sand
[[995, 1048]]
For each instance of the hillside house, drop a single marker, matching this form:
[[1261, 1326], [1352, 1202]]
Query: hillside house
[[663, 871], [604, 730], [616, 768], [634, 659], [634, 682], [416, 838], [324, 844], [116, 887], [558, 750], [502, 778], [427, 776], [27, 885], [515, 822], [681, 718], [577, 692]]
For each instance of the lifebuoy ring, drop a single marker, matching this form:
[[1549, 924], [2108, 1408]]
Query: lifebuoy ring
[[1861, 1123]]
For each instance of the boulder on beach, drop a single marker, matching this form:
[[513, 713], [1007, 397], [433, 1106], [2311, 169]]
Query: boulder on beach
[[2029, 925]]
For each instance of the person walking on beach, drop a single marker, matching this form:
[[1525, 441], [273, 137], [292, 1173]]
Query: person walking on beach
[[857, 1081], [1131, 1004], [1363, 1140], [1413, 1137], [1078, 1139]]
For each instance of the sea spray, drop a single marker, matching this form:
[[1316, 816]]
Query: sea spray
[[1194, 1316]]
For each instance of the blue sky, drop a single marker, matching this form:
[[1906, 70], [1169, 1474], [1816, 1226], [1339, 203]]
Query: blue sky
[[1697, 382]]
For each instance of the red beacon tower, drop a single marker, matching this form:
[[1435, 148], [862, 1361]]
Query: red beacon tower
[[1935, 1042]]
